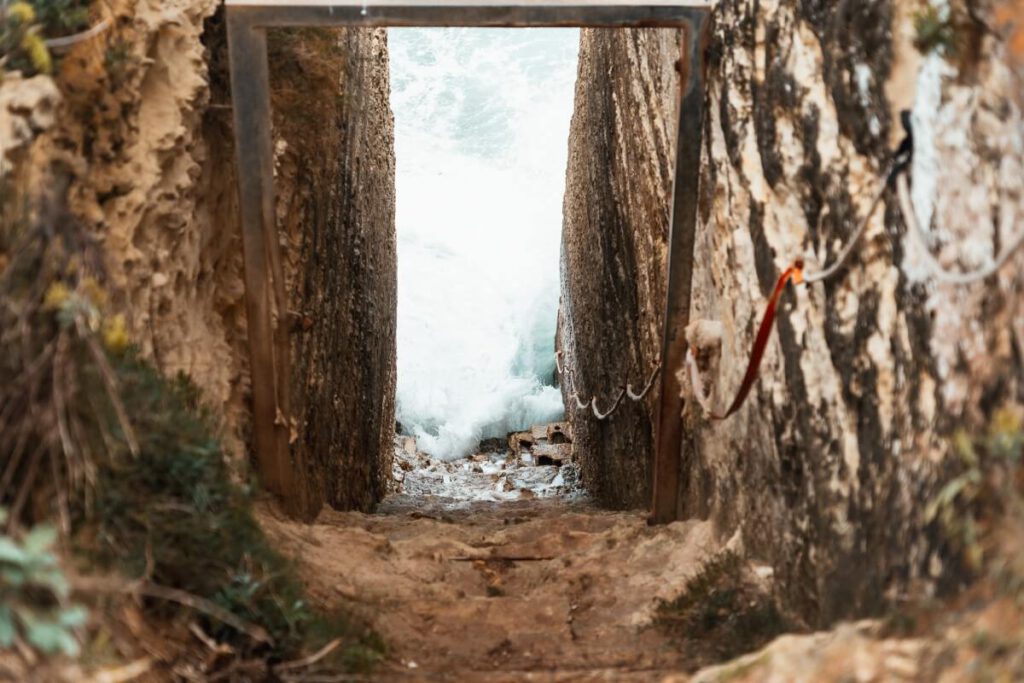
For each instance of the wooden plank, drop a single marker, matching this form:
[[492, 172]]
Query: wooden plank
[[668, 454], [268, 348], [626, 5], [494, 13]]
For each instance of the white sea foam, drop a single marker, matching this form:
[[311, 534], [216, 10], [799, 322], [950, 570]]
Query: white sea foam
[[481, 129]]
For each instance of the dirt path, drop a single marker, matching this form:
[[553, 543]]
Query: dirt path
[[535, 589]]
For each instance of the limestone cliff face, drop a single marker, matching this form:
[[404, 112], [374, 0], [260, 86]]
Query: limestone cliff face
[[142, 142], [618, 190], [825, 470], [337, 173]]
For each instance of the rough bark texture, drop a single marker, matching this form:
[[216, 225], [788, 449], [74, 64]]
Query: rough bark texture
[[824, 472], [140, 134]]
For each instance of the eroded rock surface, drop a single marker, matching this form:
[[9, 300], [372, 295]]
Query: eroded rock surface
[[613, 251], [139, 139], [336, 173], [824, 470]]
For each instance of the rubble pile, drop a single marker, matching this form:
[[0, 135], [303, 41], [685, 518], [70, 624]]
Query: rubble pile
[[536, 463]]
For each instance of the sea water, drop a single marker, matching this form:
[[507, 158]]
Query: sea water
[[481, 134]]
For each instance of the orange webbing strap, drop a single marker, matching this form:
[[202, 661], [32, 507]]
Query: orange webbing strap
[[795, 273]]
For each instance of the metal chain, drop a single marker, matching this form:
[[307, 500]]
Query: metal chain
[[624, 392]]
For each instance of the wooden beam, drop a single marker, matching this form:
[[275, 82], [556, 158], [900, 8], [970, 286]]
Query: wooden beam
[[482, 13], [554, 5], [668, 447], [269, 361]]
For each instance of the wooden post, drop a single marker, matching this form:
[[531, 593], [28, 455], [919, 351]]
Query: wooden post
[[668, 449], [269, 347]]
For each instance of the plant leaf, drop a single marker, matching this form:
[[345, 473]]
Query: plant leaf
[[47, 636], [39, 540], [7, 632], [73, 617], [13, 576], [10, 552]]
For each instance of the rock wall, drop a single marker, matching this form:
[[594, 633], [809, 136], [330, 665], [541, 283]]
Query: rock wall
[[826, 470], [614, 246], [142, 142], [337, 174]]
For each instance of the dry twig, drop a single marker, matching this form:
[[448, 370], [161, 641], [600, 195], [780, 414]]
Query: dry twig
[[152, 590], [311, 659]]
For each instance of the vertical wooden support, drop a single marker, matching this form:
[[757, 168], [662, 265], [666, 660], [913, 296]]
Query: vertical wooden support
[[668, 449], [266, 300], [264, 280]]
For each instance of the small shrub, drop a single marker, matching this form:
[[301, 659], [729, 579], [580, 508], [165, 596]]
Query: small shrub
[[722, 613], [985, 491], [174, 515], [934, 31], [25, 26], [129, 460], [34, 595], [61, 17]]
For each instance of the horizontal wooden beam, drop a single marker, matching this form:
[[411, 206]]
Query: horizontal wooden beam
[[483, 13], [626, 5]]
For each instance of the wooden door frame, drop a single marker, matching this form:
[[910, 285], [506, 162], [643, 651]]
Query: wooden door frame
[[266, 300]]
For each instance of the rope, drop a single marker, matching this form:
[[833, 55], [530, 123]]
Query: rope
[[580, 405], [68, 41], [794, 273], [625, 392], [897, 175], [899, 163], [938, 271], [844, 255], [603, 416], [647, 387]]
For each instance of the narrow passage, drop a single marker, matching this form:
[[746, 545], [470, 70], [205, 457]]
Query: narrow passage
[[487, 561]]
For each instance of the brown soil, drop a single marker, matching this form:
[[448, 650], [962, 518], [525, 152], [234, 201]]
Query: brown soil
[[536, 589]]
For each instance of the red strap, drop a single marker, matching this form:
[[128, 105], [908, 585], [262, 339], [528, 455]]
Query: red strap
[[795, 273]]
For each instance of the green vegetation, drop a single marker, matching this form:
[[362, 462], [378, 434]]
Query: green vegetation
[[934, 31], [26, 26], [173, 515], [129, 463], [34, 604], [949, 30], [984, 494], [61, 17], [979, 516], [722, 613]]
